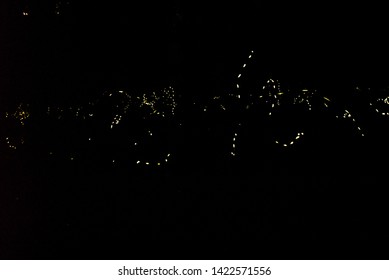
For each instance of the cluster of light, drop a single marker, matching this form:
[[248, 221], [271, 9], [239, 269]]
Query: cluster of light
[[292, 142], [273, 84], [305, 97], [382, 101], [152, 103], [10, 145], [170, 96], [21, 114], [233, 152], [220, 102], [162, 104], [347, 115], [326, 100], [78, 112], [26, 11], [116, 120], [154, 163], [58, 8], [240, 74], [270, 94], [272, 90]]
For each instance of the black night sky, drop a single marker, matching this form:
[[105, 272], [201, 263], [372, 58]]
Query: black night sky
[[190, 129]]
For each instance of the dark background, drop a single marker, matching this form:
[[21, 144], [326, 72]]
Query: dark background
[[198, 47], [196, 44]]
